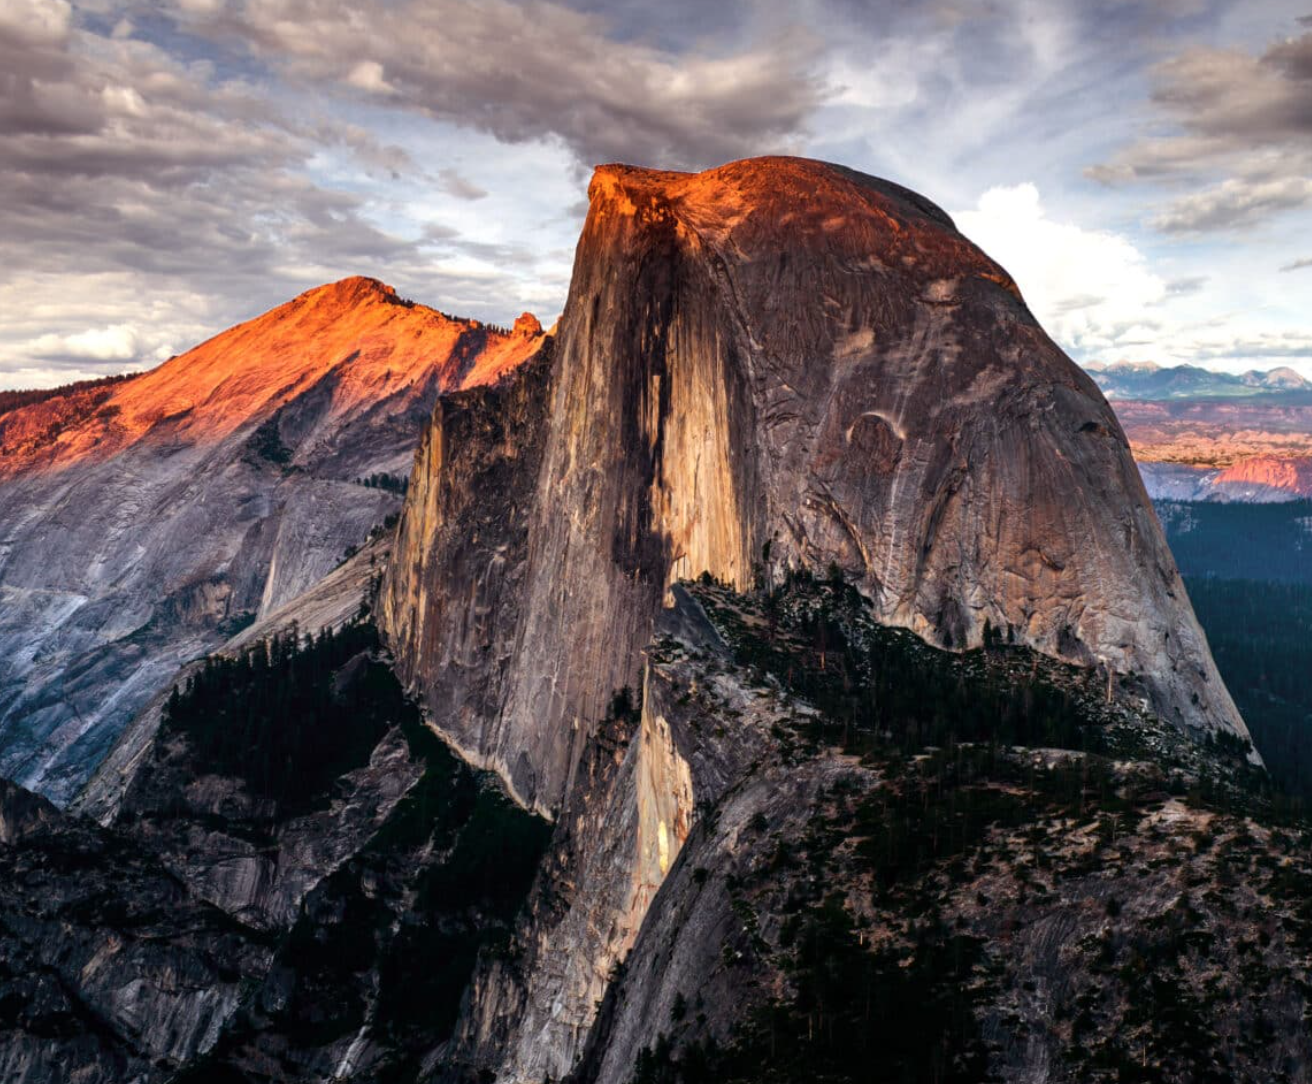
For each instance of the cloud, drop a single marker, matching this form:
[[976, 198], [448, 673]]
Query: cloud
[[459, 186], [168, 167], [35, 22], [1233, 204], [1091, 289], [116, 343], [1297, 265], [1243, 118], [536, 71], [368, 75], [1261, 347], [147, 201], [1183, 287]]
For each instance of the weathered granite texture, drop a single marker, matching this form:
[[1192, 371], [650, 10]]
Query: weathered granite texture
[[773, 364], [110, 970]]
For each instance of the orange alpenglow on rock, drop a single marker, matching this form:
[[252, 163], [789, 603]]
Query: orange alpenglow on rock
[[1292, 474], [374, 343], [179, 504], [776, 363]]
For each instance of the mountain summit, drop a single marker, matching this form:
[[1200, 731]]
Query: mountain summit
[[143, 521], [773, 365], [805, 594], [356, 335]]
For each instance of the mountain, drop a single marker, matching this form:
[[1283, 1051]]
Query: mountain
[[902, 416], [777, 673], [1148, 382], [1225, 449], [810, 841], [143, 521], [1259, 479]]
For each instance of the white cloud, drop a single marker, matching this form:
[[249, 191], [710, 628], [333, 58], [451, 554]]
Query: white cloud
[[1104, 300], [529, 72], [121, 342], [1235, 117], [36, 21], [368, 75], [205, 159], [1091, 289]]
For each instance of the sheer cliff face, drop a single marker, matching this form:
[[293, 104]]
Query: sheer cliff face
[[778, 363], [140, 523]]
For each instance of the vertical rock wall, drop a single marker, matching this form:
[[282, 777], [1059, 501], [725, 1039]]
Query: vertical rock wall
[[776, 363]]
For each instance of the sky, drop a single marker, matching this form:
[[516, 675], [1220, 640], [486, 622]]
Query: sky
[[171, 167]]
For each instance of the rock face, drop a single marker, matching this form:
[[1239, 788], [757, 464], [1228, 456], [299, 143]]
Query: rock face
[[827, 911], [775, 364], [1260, 480], [329, 604], [218, 929], [142, 523], [801, 821], [112, 970]]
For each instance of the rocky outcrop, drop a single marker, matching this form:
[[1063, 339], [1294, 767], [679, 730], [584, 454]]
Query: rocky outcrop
[[1218, 433], [143, 523], [454, 589], [222, 930], [1259, 480], [956, 914], [329, 604], [1290, 475], [803, 825], [111, 971], [771, 365], [796, 872]]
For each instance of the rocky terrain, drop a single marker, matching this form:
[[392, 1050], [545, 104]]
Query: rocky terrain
[[957, 886], [1200, 435], [902, 416], [777, 672], [228, 925], [806, 840], [143, 522], [1258, 479], [1252, 448]]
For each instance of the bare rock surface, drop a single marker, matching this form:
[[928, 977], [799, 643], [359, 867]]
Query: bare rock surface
[[330, 603], [968, 913], [141, 525], [771, 365], [111, 970]]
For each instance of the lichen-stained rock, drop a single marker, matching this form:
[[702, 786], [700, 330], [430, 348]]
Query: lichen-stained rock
[[773, 364]]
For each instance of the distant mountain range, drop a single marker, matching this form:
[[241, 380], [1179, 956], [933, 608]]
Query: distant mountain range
[[1145, 381], [1200, 435]]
